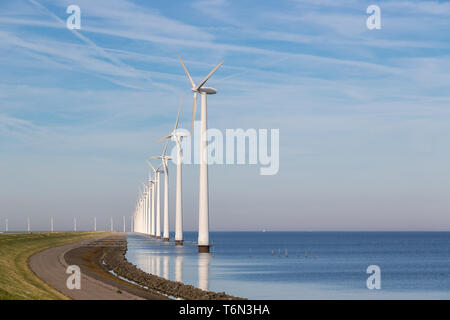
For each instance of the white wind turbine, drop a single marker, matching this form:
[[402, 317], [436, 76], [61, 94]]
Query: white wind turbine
[[153, 186], [157, 186], [164, 158], [140, 211], [145, 214], [203, 210], [152, 183], [150, 205], [178, 136]]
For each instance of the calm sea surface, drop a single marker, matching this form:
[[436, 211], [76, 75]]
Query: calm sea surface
[[304, 265]]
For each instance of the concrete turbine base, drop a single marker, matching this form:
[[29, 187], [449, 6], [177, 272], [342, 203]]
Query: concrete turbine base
[[158, 237], [178, 242], [203, 249], [166, 239]]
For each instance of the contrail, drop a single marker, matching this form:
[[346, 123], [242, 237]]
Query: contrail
[[98, 49]]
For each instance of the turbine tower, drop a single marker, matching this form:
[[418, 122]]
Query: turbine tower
[[157, 184], [177, 137], [152, 207], [51, 224], [154, 183], [164, 164], [145, 208], [203, 210], [149, 208]]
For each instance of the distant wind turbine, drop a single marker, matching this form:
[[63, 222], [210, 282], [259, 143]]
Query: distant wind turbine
[[178, 136], [157, 182], [203, 214], [164, 158], [145, 208], [154, 185]]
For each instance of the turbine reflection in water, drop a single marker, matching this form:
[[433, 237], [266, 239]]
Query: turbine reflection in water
[[203, 270], [166, 267], [158, 266], [179, 268]]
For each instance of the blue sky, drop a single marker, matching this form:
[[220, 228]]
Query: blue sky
[[363, 114]]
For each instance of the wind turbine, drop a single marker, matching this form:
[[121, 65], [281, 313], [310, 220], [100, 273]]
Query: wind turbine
[[157, 184], [153, 184], [203, 210], [165, 166], [145, 208], [150, 207], [140, 216], [178, 136]]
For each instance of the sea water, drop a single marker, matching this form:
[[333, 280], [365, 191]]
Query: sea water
[[304, 265]]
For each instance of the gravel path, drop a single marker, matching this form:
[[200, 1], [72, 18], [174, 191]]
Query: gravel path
[[50, 266]]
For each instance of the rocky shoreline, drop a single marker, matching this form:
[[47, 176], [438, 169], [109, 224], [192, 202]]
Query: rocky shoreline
[[114, 260]]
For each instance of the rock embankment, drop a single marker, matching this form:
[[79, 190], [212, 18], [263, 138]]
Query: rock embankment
[[114, 259]]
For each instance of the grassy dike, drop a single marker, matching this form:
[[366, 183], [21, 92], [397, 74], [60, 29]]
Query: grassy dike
[[17, 281]]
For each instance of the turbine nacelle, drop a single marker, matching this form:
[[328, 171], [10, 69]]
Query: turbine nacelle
[[205, 90], [179, 134], [162, 157]]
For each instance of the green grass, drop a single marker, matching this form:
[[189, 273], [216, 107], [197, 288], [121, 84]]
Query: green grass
[[17, 281]]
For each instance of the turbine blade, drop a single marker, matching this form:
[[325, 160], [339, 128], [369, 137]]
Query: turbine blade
[[150, 164], [178, 116], [165, 148], [164, 166], [187, 72], [194, 109], [180, 154], [164, 138], [208, 76]]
